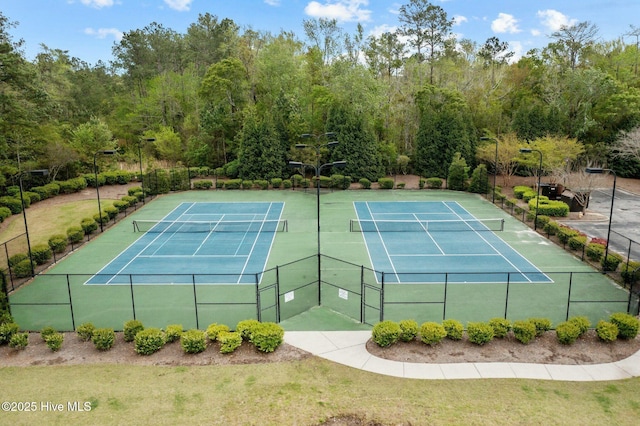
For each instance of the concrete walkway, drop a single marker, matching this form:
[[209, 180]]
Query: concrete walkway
[[348, 348]]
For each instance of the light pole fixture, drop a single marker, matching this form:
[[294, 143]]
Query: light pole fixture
[[43, 172], [495, 167], [140, 161], [599, 171], [528, 151], [95, 172]]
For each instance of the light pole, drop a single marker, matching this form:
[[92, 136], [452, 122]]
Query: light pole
[[24, 213], [527, 151], [495, 167], [95, 171], [599, 171], [140, 160]]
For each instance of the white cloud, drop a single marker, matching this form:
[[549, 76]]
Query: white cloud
[[381, 29], [518, 50], [98, 4], [340, 10], [536, 33], [272, 2], [554, 20], [104, 33], [179, 5], [505, 23], [459, 19]]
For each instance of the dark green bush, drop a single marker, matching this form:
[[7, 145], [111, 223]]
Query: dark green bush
[[41, 253], [233, 184], [627, 325], [149, 341], [85, 331], [52, 189], [286, 184], [34, 197], [542, 221], [565, 233], [577, 242], [103, 338], [365, 183], [72, 185], [479, 332], [214, 329], [386, 333], [229, 341], [247, 184], [262, 184], [19, 341], [54, 341], [102, 217], [409, 329], [23, 269], [582, 323], [111, 211], [479, 183], [276, 182], [268, 336], [58, 243], [607, 331], [385, 183], [530, 195], [595, 251], [131, 200], [612, 261], [193, 341], [519, 191], [524, 331], [340, 181], [17, 258], [88, 225], [131, 328], [542, 325], [630, 272], [454, 329], [567, 332], [75, 234], [12, 203], [4, 213], [173, 333], [202, 184], [501, 327], [121, 205], [7, 330], [552, 228], [431, 333], [46, 332], [434, 183], [550, 207], [133, 190], [246, 327], [421, 183]]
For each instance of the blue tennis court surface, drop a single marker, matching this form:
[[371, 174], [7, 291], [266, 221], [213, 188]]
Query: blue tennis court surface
[[214, 242], [422, 242]]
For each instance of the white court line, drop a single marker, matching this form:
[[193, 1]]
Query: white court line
[[429, 235], [195, 253], [255, 241], [382, 241]]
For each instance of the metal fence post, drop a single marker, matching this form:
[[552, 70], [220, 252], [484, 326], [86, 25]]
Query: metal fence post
[[195, 300], [361, 294], [133, 302], [506, 297], [277, 294], [382, 298], [446, 287], [569, 296], [73, 320], [258, 307]]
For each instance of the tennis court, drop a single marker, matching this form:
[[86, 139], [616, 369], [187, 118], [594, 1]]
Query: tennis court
[[222, 242], [421, 242]]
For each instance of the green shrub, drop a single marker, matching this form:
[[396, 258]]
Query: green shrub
[[409, 330], [530, 198], [627, 325], [193, 341], [247, 184], [23, 269], [432, 333], [202, 184], [46, 332], [612, 262], [340, 181], [132, 191], [233, 184], [524, 331], [567, 332], [548, 207], [58, 243], [365, 183], [121, 205], [607, 331], [17, 258], [229, 341], [85, 331], [454, 329], [421, 183], [400, 185], [519, 191], [214, 329], [630, 272], [88, 225], [131, 328], [41, 191], [577, 242], [286, 184], [434, 183], [595, 251], [262, 184], [246, 327], [54, 341], [552, 228], [479, 332], [276, 183], [103, 338], [305, 183], [7, 330], [12, 203], [72, 185], [4, 213], [268, 336], [173, 333], [130, 199], [52, 189], [75, 234], [542, 325], [111, 211], [542, 221], [385, 183], [41, 253], [501, 327], [386, 333], [19, 341], [149, 341], [565, 233], [582, 323]]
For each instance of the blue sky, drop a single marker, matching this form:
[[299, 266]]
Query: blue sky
[[87, 29]]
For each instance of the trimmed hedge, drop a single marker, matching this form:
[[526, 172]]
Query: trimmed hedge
[[173, 333], [88, 225], [202, 184], [365, 183], [214, 329], [627, 325], [565, 233], [577, 242], [12, 203], [5, 212], [75, 234], [7, 330], [193, 341], [268, 336], [386, 333], [567, 332], [246, 327], [85, 331], [149, 341], [501, 327], [595, 251], [54, 341], [431, 333], [103, 338], [385, 183], [58, 243], [454, 329], [19, 341], [611, 262], [607, 331], [548, 207], [542, 325], [434, 183], [409, 329], [479, 332], [229, 341], [131, 328], [23, 269], [41, 253], [524, 331], [233, 184]]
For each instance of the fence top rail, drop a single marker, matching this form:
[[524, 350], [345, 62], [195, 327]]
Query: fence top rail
[[624, 236], [14, 238]]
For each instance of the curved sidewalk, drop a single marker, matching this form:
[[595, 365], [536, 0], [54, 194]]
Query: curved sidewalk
[[348, 348]]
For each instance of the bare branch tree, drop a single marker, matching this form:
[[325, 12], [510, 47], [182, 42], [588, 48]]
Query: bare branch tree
[[627, 145]]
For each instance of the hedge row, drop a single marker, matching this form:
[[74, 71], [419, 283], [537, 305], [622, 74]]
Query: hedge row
[[387, 333]]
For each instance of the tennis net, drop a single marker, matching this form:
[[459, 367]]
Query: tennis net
[[177, 226], [474, 225]]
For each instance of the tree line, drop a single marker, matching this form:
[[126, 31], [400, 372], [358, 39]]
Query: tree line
[[406, 101]]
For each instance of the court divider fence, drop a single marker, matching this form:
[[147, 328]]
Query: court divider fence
[[63, 301]]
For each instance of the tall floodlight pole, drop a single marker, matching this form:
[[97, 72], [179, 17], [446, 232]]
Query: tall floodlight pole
[[528, 151], [599, 171], [140, 161], [95, 171]]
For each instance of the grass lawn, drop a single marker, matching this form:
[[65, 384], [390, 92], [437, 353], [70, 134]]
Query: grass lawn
[[305, 393]]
